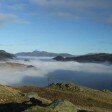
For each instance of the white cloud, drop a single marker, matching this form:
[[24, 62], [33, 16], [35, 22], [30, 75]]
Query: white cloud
[[6, 17], [10, 18], [94, 10], [17, 7], [75, 3]]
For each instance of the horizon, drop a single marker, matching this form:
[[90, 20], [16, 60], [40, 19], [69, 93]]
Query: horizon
[[75, 27], [58, 52]]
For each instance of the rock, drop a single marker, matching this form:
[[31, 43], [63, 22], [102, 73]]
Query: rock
[[32, 95], [63, 106], [106, 91], [66, 87]]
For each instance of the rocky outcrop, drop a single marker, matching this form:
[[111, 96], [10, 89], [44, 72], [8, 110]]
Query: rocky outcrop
[[13, 100], [70, 87], [63, 106], [33, 95]]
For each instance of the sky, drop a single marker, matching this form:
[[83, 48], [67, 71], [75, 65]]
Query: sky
[[71, 26]]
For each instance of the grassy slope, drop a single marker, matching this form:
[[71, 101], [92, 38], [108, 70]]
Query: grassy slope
[[84, 98], [8, 95], [98, 101], [12, 100]]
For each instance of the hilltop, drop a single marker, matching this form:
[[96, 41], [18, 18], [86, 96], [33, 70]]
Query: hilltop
[[59, 97], [5, 55]]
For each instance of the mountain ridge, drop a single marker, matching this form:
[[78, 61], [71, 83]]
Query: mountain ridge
[[98, 57], [43, 54]]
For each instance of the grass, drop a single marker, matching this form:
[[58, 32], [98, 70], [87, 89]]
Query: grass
[[12, 98], [99, 101]]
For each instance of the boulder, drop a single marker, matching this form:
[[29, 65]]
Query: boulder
[[63, 106], [33, 95]]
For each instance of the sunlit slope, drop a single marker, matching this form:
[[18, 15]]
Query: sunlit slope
[[82, 97]]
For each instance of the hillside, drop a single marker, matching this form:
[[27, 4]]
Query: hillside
[[5, 55], [58, 97], [100, 57], [42, 54]]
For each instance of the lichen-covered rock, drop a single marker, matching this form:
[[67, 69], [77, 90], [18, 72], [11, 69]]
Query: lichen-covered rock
[[63, 106], [35, 95], [32, 95]]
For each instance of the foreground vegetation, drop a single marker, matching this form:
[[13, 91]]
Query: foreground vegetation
[[54, 98]]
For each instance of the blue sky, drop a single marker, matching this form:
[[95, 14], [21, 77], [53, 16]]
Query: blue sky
[[73, 26]]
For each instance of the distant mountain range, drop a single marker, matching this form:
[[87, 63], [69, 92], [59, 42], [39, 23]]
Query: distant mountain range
[[43, 54], [100, 57]]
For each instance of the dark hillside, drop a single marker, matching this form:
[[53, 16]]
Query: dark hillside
[[5, 55], [101, 57]]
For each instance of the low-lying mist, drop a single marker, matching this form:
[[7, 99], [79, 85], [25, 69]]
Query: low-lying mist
[[43, 71]]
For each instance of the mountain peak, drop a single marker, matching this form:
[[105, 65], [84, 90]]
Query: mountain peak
[[43, 53]]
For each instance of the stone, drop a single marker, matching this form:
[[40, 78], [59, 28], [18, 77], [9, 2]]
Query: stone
[[63, 106]]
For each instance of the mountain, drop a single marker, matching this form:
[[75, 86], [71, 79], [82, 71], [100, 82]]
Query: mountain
[[5, 55], [100, 57], [43, 54]]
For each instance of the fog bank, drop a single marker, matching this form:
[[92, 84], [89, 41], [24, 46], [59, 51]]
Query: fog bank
[[89, 74]]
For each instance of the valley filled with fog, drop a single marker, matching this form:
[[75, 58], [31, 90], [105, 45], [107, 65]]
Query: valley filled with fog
[[42, 71]]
